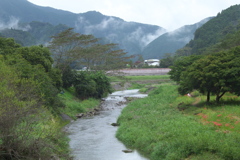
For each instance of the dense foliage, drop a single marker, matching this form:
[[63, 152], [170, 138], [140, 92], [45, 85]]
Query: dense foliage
[[215, 74], [78, 50], [92, 84], [212, 32], [216, 71], [30, 86], [218, 34], [30, 128]]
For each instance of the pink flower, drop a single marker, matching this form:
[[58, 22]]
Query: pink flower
[[217, 124], [226, 124], [219, 115], [204, 116]]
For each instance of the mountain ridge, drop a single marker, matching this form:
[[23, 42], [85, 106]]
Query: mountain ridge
[[131, 36], [170, 42]]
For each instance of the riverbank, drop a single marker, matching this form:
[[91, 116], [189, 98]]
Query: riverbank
[[160, 130], [75, 107], [94, 138]]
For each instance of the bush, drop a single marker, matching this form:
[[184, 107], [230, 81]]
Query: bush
[[27, 128], [92, 84], [68, 77], [103, 86]]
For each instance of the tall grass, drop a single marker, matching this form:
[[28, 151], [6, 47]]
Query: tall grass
[[73, 105], [159, 130]]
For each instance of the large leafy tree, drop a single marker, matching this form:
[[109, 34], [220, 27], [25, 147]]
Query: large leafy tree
[[71, 48], [37, 55], [109, 57], [8, 46], [34, 62], [180, 65], [215, 74], [67, 47]]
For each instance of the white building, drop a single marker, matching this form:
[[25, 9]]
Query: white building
[[152, 62]]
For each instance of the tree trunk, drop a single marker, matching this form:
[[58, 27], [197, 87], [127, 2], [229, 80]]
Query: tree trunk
[[208, 96], [219, 96]]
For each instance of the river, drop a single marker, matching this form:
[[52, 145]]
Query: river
[[94, 138]]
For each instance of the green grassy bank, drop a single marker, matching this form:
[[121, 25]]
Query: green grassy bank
[[74, 106], [165, 125]]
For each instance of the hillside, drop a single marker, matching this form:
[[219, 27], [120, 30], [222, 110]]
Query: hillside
[[215, 30], [171, 41], [130, 36], [33, 33]]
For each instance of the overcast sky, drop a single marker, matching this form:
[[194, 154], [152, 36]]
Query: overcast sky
[[169, 14]]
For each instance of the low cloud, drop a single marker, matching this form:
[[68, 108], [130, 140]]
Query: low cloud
[[13, 23], [83, 24], [118, 31], [146, 39]]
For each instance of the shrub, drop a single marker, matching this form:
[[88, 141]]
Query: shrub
[[92, 84], [26, 126], [68, 77]]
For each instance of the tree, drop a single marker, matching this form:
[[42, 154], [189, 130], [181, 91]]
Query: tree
[[37, 55], [28, 94], [23, 117], [68, 77], [92, 84], [8, 46], [71, 48], [110, 57], [167, 60], [180, 65], [67, 47], [34, 62], [185, 51], [215, 74]]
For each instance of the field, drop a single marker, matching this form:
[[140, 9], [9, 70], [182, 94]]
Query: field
[[166, 125]]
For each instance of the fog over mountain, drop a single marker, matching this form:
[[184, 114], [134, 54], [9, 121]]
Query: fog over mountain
[[130, 36], [171, 41], [134, 38]]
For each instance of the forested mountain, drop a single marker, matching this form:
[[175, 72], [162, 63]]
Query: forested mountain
[[224, 26], [33, 33], [210, 62], [27, 12], [130, 36], [171, 41]]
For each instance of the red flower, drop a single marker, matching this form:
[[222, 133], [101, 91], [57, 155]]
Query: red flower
[[217, 124], [204, 116], [219, 115]]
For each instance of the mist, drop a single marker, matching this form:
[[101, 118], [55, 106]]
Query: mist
[[13, 23], [119, 31]]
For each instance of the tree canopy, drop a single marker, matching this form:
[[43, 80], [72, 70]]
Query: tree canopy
[[74, 49], [214, 74]]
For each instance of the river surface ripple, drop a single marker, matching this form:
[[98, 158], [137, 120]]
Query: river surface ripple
[[94, 138]]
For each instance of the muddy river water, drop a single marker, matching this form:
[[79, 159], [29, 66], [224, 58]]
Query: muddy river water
[[94, 138]]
